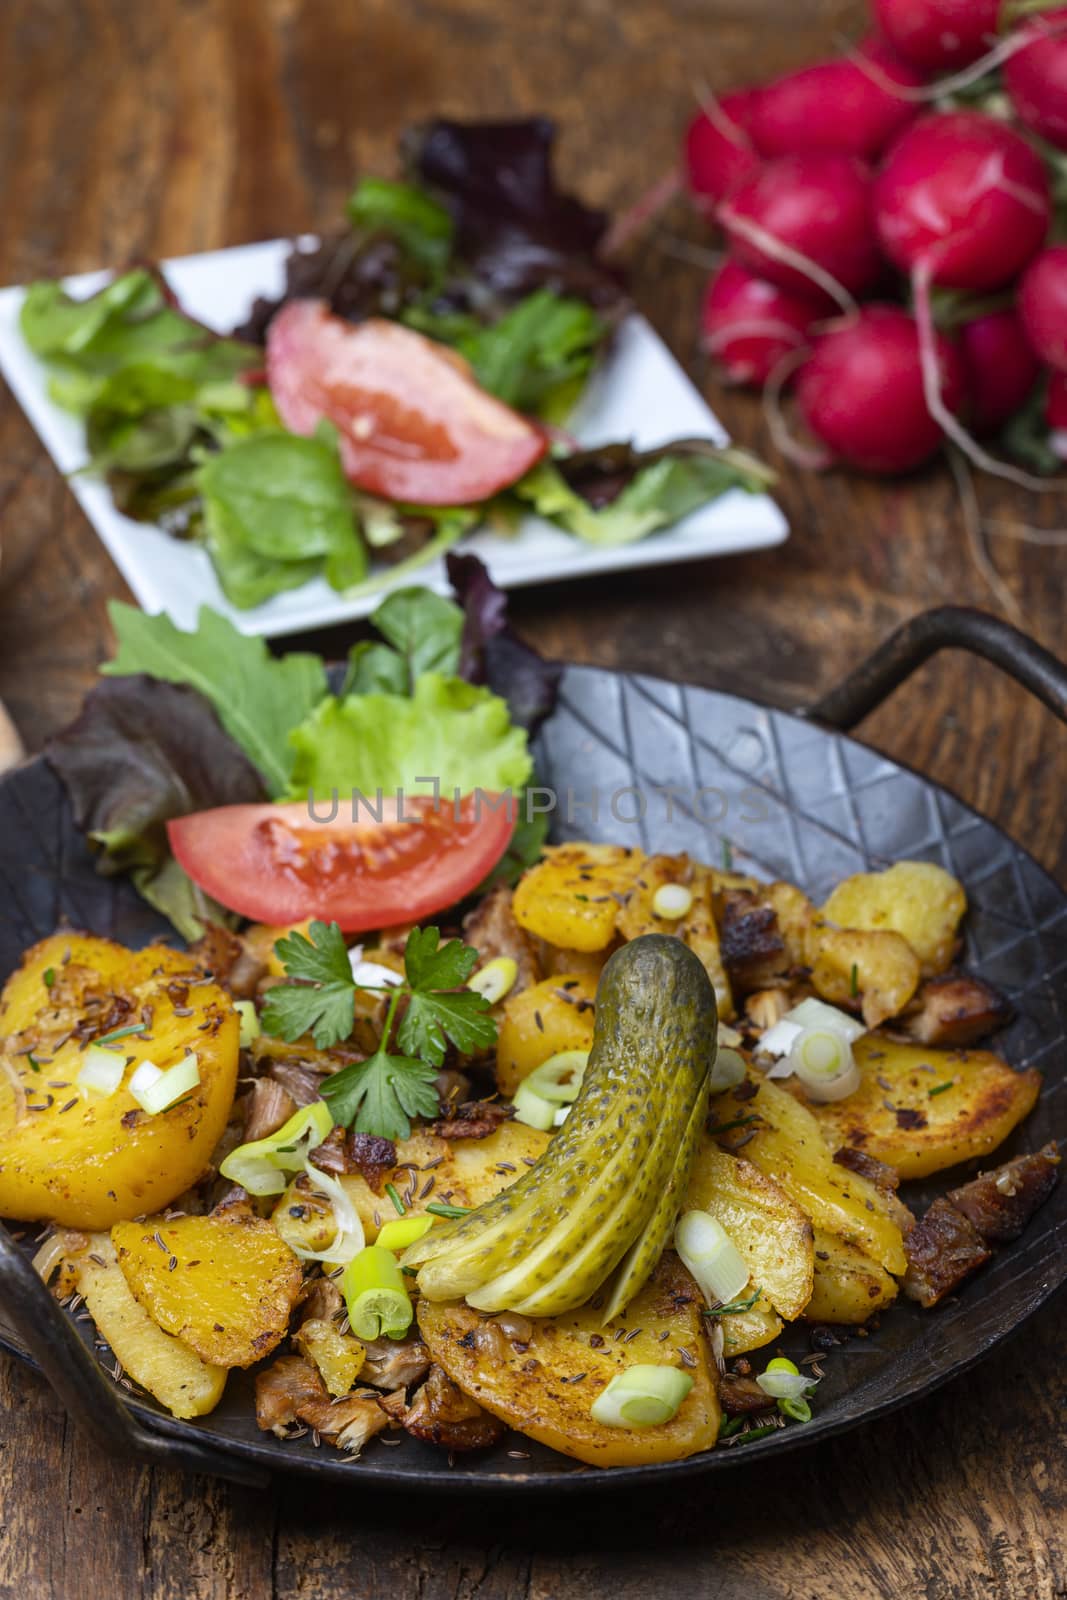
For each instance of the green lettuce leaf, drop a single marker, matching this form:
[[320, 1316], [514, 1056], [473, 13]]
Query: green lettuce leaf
[[423, 227], [537, 357], [258, 697], [423, 630], [447, 730], [659, 487]]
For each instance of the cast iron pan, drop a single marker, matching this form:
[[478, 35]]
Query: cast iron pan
[[793, 798]]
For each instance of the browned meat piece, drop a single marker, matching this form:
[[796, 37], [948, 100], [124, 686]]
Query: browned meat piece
[[954, 1011], [286, 1387], [332, 1154], [766, 1007], [267, 1106], [321, 1301], [877, 1172], [475, 1120], [224, 954], [740, 1396], [1000, 1203], [942, 1249], [395, 1363], [347, 1423], [492, 930], [298, 1077], [442, 1414], [372, 1157], [753, 951]]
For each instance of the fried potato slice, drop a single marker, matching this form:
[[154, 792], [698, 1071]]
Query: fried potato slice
[[338, 1356], [881, 970], [917, 899], [895, 1117], [545, 1385], [80, 1158], [167, 1368], [849, 1286], [568, 899], [697, 928], [225, 1284], [772, 1234], [750, 1329], [781, 1136], [555, 1014]]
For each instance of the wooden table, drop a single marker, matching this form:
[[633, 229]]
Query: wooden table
[[145, 129]]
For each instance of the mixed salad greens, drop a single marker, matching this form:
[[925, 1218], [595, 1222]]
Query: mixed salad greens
[[410, 384]]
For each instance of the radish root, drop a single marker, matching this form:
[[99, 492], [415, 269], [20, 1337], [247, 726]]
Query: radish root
[[805, 456], [972, 527], [963, 79], [773, 247], [629, 223]]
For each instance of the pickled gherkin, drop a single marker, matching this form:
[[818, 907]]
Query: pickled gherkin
[[605, 1193]]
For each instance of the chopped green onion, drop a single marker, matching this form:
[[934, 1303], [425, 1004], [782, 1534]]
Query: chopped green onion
[[782, 1380], [250, 1028], [49, 977], [33, 1063], [404, 1231], [796, 1410], [533, 1110], [854, 981], [554, 1083], [644, 1396], [728, 1127], [398, 1204], [262, 1167], [822, 1060], [750, 1435], [123, 1033], [495, 979], [672, 901], [711, 1256], [376, 1296], [940, 1088], [439, 1209], [156, 1091], [101, 1070], [727, 856], [728, 1071], [349, 1239], [729, 1426]]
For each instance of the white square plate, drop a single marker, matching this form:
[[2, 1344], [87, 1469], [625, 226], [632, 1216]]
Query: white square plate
[[639, 393]]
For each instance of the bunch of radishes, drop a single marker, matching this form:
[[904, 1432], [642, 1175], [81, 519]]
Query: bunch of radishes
[[889, 232]]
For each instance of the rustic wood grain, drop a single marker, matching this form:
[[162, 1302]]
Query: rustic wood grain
[[177, 125]]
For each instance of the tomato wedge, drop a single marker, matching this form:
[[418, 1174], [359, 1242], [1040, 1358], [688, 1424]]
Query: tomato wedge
[[413, 424], [274, 864]]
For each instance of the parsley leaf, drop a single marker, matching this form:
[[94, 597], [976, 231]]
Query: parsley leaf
[[324, 1004], [431, 1019], [381, 1095], [432, 965]]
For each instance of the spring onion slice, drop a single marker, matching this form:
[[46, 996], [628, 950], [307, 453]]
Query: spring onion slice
[[711, 1256], [349, 1239], [262, 1167], [378, 1302], [782, 1380], [797, 1410], [644, 1396], [810, 1013], [672, 901], [554, 1083], [371, 974], [402, 1231], [495, 979], [101, 1070], [728, 1071], [822, 1059], [533, 1110], [250, 1028], [156, 1091]]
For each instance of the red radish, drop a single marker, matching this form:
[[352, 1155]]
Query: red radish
[[412, 423], [1043, 306], [836, 105], [719, 153], [861, 392], [965, 196], [938, 35], [804, 222], [1001, 369], [1056, 413], [1036, 77], [750, 325]]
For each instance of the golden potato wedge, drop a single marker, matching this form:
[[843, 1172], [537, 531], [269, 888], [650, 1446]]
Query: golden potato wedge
[[771, 1232], [545, 1386], [460, 1172], [895, 1117], [163, 1365], [787, 1143], [881, 969], [555, 1014], [697, 928], [849, 1286], [571, 963], [568, 899], [338, 1356], [71, 1155], [917, 899], [225, 1284]]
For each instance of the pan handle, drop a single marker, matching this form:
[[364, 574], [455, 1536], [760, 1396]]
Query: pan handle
[[944, 628], [84, 1389]]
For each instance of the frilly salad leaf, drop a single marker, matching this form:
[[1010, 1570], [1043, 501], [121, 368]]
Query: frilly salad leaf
[[616, 494], [447, 730], [139, 753]]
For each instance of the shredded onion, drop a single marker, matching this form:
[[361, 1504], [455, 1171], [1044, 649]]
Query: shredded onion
[[349, 1239], [711, 1256], [50, 1255], [262, 1167], [728, 1071]]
